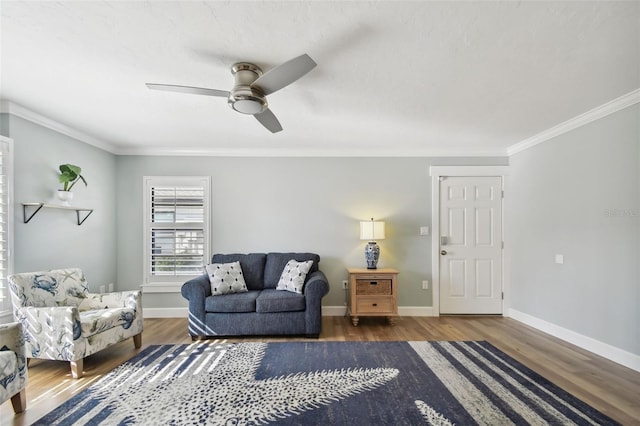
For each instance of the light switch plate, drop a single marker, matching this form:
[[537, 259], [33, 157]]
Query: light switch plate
[[559, 259], [424, 230]]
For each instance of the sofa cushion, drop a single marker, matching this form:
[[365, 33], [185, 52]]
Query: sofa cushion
[[97, 321], [294, 275], [235, 302], [277, 261], [279, 301], [226, 278], [252, 265]]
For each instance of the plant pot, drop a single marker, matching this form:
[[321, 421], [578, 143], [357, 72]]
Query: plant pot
[[65, 197]]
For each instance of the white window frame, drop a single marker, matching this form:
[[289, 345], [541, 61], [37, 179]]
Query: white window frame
[[6, 146], [171, 284]]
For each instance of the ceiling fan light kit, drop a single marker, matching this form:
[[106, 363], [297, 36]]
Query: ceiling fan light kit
[[251, 86], [243, 97]]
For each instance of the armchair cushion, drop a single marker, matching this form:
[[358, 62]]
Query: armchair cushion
[[97, 321]]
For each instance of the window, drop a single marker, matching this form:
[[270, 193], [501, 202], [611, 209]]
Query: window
[[6, 223], [176, 230]]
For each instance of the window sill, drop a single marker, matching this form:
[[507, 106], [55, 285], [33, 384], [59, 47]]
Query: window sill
[[161, 287]]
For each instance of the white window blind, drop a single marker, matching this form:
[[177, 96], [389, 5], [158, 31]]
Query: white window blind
[[176, 228], [6, 221]]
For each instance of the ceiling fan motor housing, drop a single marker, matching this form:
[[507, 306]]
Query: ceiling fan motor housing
[[243, 97]]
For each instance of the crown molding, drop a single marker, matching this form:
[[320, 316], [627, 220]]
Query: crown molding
[[601, 111], [154, 151], [8, 107]]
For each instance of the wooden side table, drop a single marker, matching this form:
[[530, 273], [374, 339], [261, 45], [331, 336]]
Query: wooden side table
[[372, 293]]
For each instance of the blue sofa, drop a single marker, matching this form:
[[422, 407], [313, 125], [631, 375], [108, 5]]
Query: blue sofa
[[262, 310]]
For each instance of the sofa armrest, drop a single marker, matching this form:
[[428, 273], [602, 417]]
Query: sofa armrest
[[314, 290], [120, 299], [317, 286], [196, 290]]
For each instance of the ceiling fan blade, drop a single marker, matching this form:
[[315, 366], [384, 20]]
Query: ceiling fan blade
[[188, 89], [285, 74], [269, 120]]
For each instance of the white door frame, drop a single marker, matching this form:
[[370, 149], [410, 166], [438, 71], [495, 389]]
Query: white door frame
[[436, 172]]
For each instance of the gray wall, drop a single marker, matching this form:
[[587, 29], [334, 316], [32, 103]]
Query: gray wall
[[579, 195], [297, 204], [52, 239]]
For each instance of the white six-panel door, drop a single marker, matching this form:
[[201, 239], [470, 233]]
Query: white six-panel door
[[471, 245]]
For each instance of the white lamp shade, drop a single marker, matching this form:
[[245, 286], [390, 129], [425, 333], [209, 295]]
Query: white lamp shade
[[371, 230]]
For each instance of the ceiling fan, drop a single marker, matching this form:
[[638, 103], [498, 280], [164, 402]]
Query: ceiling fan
[[251, 87]]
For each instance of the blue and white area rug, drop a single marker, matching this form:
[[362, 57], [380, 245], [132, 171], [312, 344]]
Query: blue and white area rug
[[322, 383]]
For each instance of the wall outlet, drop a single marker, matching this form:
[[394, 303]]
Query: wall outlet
[[102, 289], [345, 284], [110, 287], [425, 285]]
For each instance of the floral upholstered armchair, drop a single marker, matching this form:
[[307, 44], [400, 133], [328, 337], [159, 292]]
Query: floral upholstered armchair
[[63, 321], [13, 366]]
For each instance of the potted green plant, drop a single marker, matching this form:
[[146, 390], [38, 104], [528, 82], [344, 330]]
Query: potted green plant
[[69, 176]]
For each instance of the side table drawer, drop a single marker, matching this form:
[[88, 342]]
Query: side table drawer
[[374, 287], [374, 305]]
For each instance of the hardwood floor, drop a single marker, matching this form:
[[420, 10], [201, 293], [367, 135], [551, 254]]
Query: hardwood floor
[[607, 386]]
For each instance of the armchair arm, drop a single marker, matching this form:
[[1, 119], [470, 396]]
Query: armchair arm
[[50, 330], [12, 339], [119, 299]]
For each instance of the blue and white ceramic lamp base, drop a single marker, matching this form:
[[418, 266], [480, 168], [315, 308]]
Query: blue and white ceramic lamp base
[[372, 254]]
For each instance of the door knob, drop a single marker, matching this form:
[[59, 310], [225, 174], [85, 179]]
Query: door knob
[[443, 252]]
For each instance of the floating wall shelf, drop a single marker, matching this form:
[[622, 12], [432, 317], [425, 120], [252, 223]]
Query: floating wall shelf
[[81, 213]]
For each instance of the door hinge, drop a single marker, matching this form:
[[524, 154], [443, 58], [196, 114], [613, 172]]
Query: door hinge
[[503, 295], [503, 193], [502, 244]]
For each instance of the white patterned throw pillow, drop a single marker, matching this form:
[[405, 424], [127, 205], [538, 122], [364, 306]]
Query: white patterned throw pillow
[[293, 275], [226, 278]]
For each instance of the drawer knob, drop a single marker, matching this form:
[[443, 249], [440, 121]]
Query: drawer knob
[[373, 283], [375, 304]]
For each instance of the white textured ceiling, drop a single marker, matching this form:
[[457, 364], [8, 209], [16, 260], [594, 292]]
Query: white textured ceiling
[[393, 78]]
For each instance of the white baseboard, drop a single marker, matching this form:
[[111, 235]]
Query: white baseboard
[[334, 311], [605, 350], [327, 311], [165, 312], [416, 311]]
